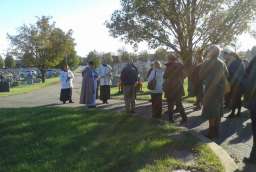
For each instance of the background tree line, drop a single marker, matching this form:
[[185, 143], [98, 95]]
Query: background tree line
[[8, 62], [125, 56], [43, 45]]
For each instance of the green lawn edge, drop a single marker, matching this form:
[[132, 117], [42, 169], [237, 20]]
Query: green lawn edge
[[23, 89]]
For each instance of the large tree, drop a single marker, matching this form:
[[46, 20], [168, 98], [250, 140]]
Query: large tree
[[1, 62], [72, 59], [9, 61], [94, 57], [181, 25], [42, 44]]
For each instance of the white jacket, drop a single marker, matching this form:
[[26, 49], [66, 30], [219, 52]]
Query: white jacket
[[66, 79], [105, 74], [158, 75]]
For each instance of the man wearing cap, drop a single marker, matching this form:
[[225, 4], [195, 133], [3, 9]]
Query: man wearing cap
[[213, 74], [236, 71]]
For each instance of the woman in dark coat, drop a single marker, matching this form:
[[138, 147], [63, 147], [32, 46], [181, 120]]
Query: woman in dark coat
[[173, 87], [250, 99], [213, 73], [236, 69]]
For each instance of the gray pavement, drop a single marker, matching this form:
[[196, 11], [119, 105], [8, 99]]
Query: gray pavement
[[235, 136], [44, 97]]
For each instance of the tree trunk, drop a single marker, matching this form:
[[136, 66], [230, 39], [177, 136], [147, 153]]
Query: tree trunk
[[187, 60]]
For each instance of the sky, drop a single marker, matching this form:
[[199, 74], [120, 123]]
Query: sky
[[85, 17]]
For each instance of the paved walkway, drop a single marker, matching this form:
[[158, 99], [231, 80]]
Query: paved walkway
[[235, 135]]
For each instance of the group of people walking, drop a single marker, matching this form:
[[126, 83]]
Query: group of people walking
[[220, 80]]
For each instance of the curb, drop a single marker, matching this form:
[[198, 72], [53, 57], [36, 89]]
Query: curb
[[227, 162], [225, 159]]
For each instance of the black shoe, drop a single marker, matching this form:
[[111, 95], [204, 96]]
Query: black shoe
[[64, 102], [197, 108], [71, 101]]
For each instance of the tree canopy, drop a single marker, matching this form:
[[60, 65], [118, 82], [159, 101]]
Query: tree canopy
[[161, 54], [9, 61], [42, 44], [181, 25], [107, 58], [1, 62], [143, 56], [124, 55], [94, 57]]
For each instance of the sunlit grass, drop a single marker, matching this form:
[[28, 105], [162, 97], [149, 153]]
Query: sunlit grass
[[22, 89], [78, 140]]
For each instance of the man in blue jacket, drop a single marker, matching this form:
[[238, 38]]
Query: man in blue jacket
[[129, 78]]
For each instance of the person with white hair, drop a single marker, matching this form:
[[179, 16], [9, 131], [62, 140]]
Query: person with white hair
[[213, 73]]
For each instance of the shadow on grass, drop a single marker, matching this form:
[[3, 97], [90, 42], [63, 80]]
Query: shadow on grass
[[75, 139]]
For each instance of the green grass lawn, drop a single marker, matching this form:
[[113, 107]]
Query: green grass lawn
[[29, 88], [77, 140], [145, 95]]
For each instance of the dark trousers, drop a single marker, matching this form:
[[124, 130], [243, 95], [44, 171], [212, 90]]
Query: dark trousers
[[104, 93], [253, 118], [198, 91], [213, 127], [66, 95], [180, 109], [199, 100], [156, 99], [129, 97], [235, 99]]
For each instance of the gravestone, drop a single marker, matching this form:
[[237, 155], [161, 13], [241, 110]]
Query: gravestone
[[4, 86]]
